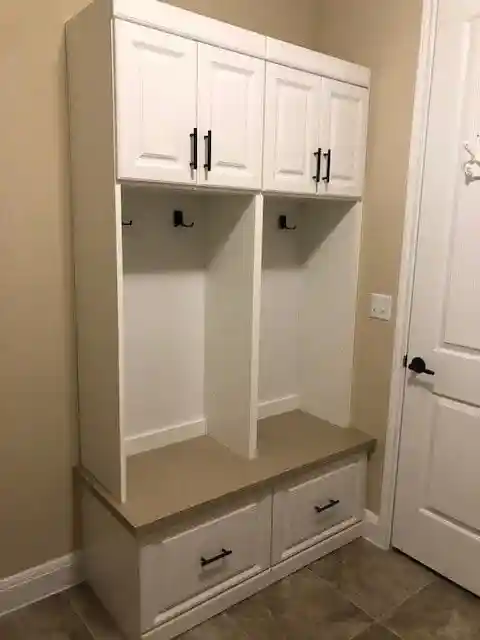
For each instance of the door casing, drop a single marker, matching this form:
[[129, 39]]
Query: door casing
[[378, 529]]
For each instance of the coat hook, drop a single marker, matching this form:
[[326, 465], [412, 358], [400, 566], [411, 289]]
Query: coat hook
[[178, 220], [282, 224], [128, 223]]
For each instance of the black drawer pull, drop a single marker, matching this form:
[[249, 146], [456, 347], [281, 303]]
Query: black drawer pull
[[326, 507], [208, 151], [318, 155], [328, 156], [194, 149], [206, 561]]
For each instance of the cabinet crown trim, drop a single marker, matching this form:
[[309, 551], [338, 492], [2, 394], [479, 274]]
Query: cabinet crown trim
[[163, 16], [159, 15], [291, 55]]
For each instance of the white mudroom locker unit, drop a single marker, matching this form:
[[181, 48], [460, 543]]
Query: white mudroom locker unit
[[217, 179]]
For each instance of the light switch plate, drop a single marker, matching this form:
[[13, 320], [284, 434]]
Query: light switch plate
[[380, 306]]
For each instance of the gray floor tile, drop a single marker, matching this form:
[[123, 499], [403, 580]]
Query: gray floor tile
[[377, 632], [300, 607], [10, 627], [440, 611], [50, 619], [89, 608], [375, 580]]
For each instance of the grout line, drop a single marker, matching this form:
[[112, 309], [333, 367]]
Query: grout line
[[360, 633], [334, 587], [80, 619], [383, 619], [83, 619]]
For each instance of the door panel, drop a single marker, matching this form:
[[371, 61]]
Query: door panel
[[292, 115], [437, 517], [455, 436], [344, 133], [231, 95], [156, 86]]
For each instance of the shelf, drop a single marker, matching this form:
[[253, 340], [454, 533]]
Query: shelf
[[165, 483]]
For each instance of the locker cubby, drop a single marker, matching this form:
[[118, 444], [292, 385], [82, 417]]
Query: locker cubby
[[308, 302], [188, 314]]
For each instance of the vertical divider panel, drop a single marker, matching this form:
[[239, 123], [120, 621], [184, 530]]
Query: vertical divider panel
[[330, 245], [233, 321], [96, 204]]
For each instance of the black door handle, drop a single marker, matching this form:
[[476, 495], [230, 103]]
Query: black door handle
[[208, 142], [328, 156], [204, 562], [418, 365], [318, 155], [194, 150]]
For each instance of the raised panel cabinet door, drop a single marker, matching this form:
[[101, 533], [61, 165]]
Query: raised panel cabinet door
[[156, 91], [344, 139], [231, 90], [292, 117]]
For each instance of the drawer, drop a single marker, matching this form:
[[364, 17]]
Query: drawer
[[193, 565], [311, 510]]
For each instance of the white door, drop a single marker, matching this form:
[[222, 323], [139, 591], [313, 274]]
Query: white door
[[231, 90], [292, 118], [343, 139], [156, 89], [437, 515]]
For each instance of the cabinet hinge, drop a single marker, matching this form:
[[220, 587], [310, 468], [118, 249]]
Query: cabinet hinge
[[405, 361]]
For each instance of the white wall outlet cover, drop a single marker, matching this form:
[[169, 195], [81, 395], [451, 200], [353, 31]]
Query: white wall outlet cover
[[380, 306]]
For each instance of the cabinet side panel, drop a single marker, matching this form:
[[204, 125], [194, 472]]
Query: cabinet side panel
[[330, 241], [97, 237], [232, 322], [111, 564]]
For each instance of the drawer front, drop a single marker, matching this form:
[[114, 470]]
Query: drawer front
[[196, 564], [309, 511]]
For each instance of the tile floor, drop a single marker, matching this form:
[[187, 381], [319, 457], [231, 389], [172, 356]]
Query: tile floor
[[358, 592]]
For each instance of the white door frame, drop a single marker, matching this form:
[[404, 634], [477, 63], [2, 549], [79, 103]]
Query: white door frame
[[380, 531]]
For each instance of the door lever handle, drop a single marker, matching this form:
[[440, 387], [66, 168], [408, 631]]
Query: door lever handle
[[418, 365]]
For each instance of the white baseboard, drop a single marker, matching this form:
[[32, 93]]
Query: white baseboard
[[39, 582], [163, 437], [278, 406], [372, 530]]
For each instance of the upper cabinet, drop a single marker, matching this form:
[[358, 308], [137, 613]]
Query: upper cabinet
[[187, 113], [195, 102], [315, 134], [292, 109], [344, 138], [156, 91], [230, 118]]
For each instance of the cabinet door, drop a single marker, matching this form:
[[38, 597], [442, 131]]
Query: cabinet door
[[156, 87], [344, 132], [292, 116], [230, 118]]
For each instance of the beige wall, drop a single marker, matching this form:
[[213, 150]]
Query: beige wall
[[37, 360], [383, 35]]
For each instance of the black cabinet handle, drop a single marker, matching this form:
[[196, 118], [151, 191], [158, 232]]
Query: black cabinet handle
[[224, 554], [326, 507], [328, 156], [318, 155], [418, 365], [208, 151], [194, 149]]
